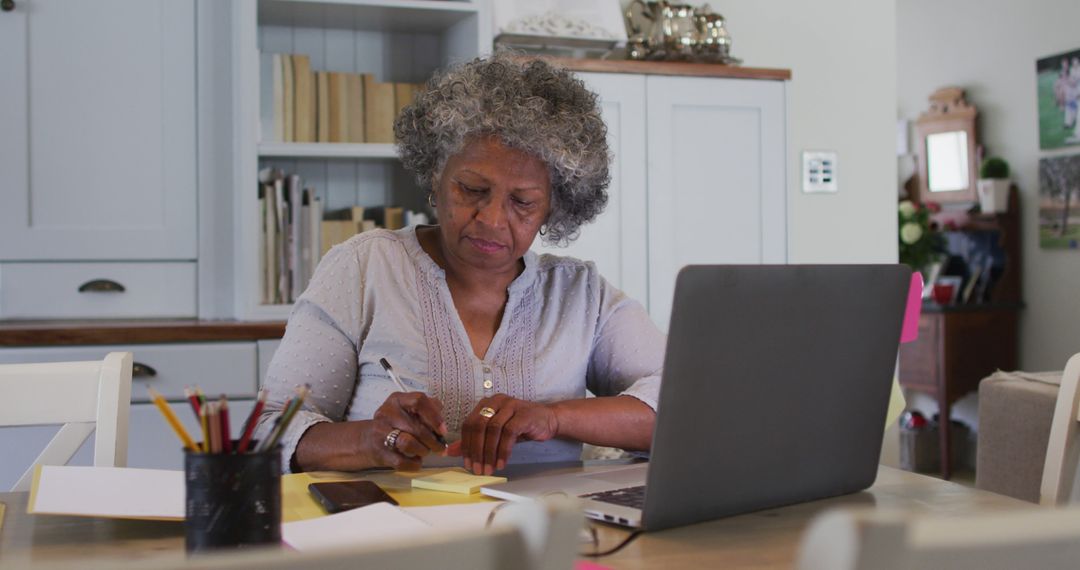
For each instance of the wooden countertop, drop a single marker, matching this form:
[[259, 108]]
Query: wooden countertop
[[671, 68], [46, 333]]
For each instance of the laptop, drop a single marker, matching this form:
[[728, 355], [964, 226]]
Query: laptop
[[775, 388]]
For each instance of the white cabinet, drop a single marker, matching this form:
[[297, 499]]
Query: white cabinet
[[698, 177], [97, 130]]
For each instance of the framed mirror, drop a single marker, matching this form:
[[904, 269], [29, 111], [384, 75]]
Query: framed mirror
[[947, 149]]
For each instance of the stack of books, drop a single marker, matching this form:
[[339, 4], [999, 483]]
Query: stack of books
[[298, 104], [295, 232], [290, 235]]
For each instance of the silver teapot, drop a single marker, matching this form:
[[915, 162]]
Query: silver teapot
[[660, 30]]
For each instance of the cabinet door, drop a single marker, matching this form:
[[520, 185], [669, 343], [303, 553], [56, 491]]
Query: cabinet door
[[616, 240], [717, 187], [97, 130], [152, 444]]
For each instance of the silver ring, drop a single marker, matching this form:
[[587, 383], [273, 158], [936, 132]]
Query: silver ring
[[487, 412], [391, 439]]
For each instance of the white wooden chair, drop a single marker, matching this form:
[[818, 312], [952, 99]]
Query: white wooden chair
[[1063, 448], [83, 396], [868, 539]]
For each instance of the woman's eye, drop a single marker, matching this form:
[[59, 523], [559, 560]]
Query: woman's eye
[[471, 189], [522, 203]]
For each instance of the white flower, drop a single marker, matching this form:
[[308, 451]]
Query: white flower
[[907, 208], [910, 233]]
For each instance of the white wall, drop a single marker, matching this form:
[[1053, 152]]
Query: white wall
[[989, 47], [842, 97]]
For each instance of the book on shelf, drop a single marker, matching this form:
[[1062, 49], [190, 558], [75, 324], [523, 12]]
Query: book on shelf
[[338, 119], [378, 110], [303, 99], [271, 119], [354, 103], [310, 241], [322, 106], [288, 93], [389, 217], [403, 95]]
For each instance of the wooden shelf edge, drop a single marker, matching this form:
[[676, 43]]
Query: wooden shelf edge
[[51, 333], [671, 68], [327, 150]]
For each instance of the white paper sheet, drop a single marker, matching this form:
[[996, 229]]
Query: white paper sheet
[[468, 516], [373, 524], [114, 492]]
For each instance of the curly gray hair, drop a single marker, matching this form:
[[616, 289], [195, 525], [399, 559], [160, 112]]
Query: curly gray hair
[[531, 106]]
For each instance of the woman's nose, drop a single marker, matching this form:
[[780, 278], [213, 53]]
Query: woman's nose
[[491, 213]]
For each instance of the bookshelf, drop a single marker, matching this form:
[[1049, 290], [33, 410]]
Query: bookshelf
[[396, 41]]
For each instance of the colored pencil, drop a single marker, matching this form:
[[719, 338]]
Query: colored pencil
[[249, 425], [213, 421], [203, 421], [226, 433], [191, 397], [172, 420]]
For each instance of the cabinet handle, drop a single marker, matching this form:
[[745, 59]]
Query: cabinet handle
[[7, 5], [140, 370], [101, 286]]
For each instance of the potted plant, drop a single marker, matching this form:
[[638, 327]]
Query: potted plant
[[994, 185]]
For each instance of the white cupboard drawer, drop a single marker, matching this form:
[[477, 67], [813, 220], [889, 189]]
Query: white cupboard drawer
[[218, 368], [96, 290]]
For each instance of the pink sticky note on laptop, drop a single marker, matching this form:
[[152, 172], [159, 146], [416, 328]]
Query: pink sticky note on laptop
[[910, 331]]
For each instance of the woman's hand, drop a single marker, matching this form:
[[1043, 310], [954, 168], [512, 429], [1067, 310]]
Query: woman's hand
[[352, 446], [486, 441], [420, 420]]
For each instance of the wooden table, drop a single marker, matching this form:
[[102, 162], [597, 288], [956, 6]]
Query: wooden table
[[767, 539]]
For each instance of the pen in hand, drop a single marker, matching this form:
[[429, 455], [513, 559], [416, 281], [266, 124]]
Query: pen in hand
[[401, 386]]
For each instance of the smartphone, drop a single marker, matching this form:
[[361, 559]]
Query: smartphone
[[338, 497]]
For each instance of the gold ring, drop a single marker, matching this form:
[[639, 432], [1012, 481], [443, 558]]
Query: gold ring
[[391, 438], [487, 412]]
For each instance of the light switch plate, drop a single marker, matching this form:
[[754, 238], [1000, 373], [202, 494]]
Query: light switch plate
[[819, 171]]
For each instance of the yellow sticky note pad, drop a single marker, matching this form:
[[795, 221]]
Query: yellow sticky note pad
[[455, 481]]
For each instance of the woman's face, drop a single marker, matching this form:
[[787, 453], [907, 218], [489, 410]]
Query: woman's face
[[491, 200]]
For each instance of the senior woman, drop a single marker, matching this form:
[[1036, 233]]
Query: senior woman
[[496, 343]]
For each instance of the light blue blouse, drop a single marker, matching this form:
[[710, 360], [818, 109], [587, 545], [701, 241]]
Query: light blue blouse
[[565, 329]]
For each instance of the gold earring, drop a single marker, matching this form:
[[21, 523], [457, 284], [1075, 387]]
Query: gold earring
[[431, 199]]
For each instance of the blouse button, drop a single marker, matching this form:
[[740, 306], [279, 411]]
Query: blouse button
[[487, 370], [487, 384]]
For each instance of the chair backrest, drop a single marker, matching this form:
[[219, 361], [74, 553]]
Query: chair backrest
[[1059, 484], [865, 539], [83, 396]]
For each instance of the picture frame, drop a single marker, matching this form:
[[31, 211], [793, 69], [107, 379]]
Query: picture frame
[[1057, 81]]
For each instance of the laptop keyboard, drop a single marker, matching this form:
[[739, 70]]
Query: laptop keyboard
[[633, 497]]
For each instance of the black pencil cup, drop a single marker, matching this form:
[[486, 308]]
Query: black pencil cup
[[232, 501]]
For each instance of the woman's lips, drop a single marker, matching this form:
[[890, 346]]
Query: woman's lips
[[484, 245]]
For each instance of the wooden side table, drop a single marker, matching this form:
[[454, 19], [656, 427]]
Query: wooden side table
[[957, 347]]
